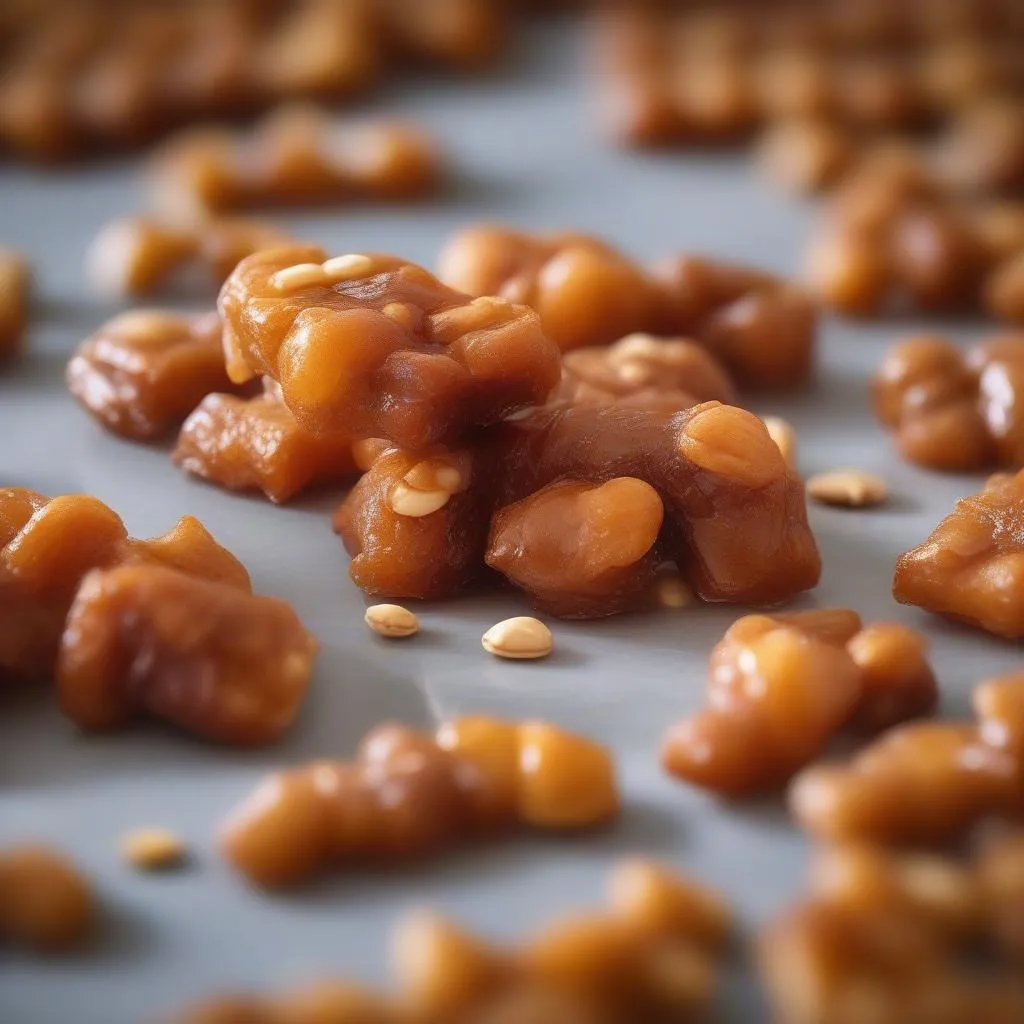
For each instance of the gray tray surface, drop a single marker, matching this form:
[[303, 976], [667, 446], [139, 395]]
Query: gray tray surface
[[525, 151]]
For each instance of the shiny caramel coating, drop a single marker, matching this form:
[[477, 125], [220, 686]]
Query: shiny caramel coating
[[318, 49], [140, 255], [982, 151], [142, 373], [256, 444], [642, 363], [734, 514], [408, 795], [45, 903], [295, 156], [372, 346], [586, 292], [207, 657], [999, 870], [613, 556], [652, 951], [889, 936], [14, 288], [458, 34], [971, 567], [768, 713], [46, 548], [917, 784], [954, 409], [758, 326]]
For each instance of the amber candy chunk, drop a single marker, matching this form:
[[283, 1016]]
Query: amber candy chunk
[[256, 444], [760, 327], [769, 713], [142, 373], [408, 795], [586, 292], [318, 49], [890, 935], [734, 514], [448, 33], [922, 783], [653, 951], [14, 286], [643, 365], [372, 346], [48, 545], [295, 156], [971, 567], [140, 255], [615, 528], [950, 409], [45, 903], [207, 656]]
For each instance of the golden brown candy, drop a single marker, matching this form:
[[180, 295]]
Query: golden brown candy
[[886, 935], [206, 656], [372, 346], [140, 255], [758, 326], [951, 409], [48, 545], [971, 567], [923, 783], [141, 373], [45, 903], [14, 286], [652, 952], [407, 795], [769, 713], [585, 291], [256, 444], [296, 156], [721, 481]]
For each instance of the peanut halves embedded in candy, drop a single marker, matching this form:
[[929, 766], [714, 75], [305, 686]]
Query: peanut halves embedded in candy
[[372, 346], [768, 713], [407, 795], [206, 656]]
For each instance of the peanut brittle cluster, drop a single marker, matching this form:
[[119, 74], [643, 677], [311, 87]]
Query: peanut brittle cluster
[[890, 936], [894, 238], [923, 783], [373, 346], [47, 545], [205, 655], [143, 372], [14, 286], [951, 409], [758, 326], [781, 686], [141, 255], [704, 487], [296, 155], [651, 953], [971, 567], [714, 75], [72, 87], [408, 795], [45, 903], [256, 443]]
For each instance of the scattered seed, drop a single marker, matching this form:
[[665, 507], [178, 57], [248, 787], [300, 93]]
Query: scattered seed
[[391, 620], [153, 849], [847, 488], [673, 592], [520, 637], [408, 501]]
